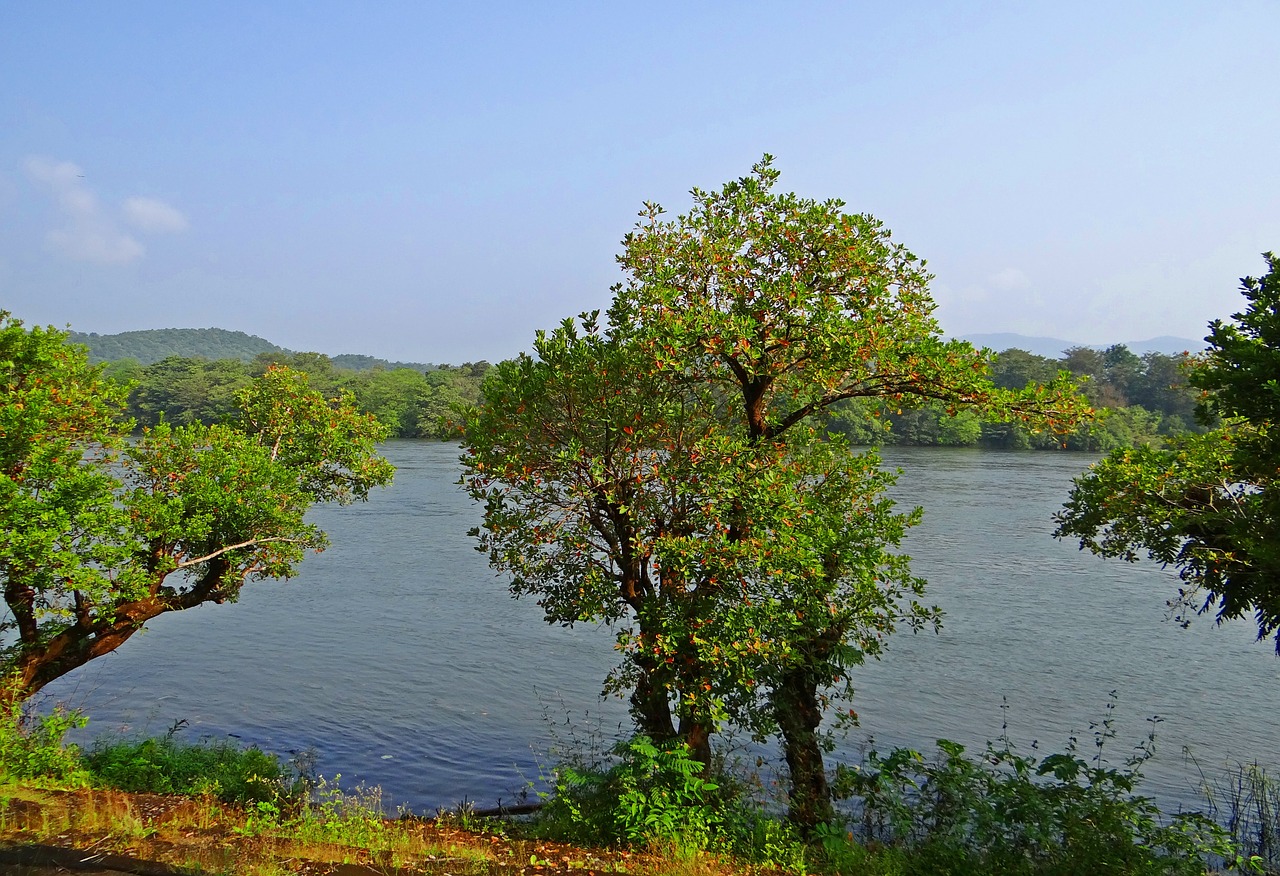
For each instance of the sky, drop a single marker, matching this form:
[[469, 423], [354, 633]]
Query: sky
[[433, 182]]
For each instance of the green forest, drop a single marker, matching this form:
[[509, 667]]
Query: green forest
[[412, 403], [1139, 399]]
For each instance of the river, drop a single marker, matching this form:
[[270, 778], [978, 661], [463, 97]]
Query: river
[[398, 656]]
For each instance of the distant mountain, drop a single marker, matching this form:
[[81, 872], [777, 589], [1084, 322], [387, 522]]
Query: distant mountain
[[152, 345], [357, 362], [1054, 347]]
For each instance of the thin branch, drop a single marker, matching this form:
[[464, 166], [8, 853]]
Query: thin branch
[[235, 547]]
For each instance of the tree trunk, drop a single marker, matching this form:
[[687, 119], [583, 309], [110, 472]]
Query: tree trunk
[[697, 736], [69, 650], [798, 713], [650, 708]]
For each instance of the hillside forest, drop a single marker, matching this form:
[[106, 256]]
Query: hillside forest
[[1139, 399]]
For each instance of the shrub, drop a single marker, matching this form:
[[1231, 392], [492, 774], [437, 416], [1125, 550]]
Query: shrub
[[650, 794], [1008, 813], [166, 766], [32, 746]]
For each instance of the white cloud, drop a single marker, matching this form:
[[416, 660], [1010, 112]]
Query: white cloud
[[89, 233], [149, 214], [1009, 280]]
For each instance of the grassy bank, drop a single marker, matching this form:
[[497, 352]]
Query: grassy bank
[[131, 830], [641, 809]]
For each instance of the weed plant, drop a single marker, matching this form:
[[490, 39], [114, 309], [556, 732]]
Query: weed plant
[[1245, 799], [32, 746], [649, 794], [1004, 812], [354, 818], [164, 765], [658, 798]]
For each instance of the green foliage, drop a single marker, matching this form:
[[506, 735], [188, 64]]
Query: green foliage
[[862, 422], [164, 765], [1139, 400], [329, 814], [1014, 369], [675, 471], [125, 372], [360, 362], [931, 426], [183, 391], [397, 398], [152, 345], [95, 542], [32, 746], [1209, 504], [1004, 812], [410, 401], [651, 794]]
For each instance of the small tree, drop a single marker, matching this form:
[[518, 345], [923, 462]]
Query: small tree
[[98, 537], [580, 454], [1209, 504]]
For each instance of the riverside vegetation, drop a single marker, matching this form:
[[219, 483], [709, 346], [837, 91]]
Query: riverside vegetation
[[670, 470], [1143, 398], [219, 808]]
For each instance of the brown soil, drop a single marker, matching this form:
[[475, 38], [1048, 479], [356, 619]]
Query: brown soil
[[106, 832]]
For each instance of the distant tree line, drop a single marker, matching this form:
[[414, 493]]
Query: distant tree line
[[182, 390], [1140, 399], [151, 345]]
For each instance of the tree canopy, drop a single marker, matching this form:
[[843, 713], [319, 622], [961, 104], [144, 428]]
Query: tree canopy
[[152, 345], [1209, 505], [668, 471], [100, 535]]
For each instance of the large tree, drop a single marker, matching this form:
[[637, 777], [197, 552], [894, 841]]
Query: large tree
[[99, 536], [677, 458], [1209, 505], [785, 307]]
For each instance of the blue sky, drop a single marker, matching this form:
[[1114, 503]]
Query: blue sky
[[432, 181]]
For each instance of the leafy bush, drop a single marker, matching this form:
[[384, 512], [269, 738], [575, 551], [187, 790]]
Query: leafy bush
[[31, 746], [1008, 813], [353, 818], [650, 794], [165, 766]]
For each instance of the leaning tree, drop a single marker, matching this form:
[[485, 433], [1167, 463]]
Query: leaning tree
[[98, 535]]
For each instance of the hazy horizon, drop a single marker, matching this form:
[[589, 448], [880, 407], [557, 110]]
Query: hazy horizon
[[1052, 348]]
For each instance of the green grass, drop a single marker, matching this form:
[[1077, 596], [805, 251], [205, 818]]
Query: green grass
[[959, 813], [166, 766]]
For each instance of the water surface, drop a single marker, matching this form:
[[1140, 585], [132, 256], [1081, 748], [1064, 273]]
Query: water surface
[[398, 655]]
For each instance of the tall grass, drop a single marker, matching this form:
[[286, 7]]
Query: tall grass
[[1245, 799]]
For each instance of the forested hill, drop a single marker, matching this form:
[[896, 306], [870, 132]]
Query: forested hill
[[189, 375], [152, 345]]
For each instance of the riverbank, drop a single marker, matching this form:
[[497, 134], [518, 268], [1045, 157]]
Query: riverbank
[[51, 830]]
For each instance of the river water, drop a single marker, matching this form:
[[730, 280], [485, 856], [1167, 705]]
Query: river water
[[398, 656]]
